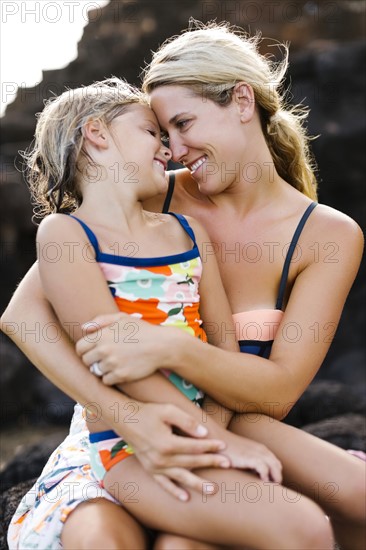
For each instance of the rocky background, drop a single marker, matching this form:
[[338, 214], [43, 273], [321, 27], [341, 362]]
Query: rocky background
[[327, 73]]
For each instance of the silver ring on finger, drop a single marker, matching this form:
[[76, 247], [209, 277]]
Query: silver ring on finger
[[95, 369]]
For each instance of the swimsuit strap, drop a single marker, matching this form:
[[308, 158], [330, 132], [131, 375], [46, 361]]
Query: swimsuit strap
[[91, 236], [290, 252], [169, 194], [184, 223], [94, 241]]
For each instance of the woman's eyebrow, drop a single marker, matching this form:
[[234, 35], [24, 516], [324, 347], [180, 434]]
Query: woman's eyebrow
[[174, 119]]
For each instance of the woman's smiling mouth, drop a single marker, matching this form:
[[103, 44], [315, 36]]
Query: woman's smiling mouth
[[193, 166]]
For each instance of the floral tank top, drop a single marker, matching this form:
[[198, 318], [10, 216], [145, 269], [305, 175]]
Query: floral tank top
[[161, 291]]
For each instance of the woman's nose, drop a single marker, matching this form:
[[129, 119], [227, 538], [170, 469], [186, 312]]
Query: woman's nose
[[178, 149]]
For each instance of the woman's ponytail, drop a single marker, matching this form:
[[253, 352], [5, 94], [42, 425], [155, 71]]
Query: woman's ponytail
[[289, 147]]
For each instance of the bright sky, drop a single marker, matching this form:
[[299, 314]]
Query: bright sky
[[38, 35]]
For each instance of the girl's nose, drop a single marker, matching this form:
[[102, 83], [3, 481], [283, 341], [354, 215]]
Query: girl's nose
[[166, 152]]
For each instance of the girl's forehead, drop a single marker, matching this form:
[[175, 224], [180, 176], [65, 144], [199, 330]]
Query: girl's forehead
[[142, 108], [135, 116], [149, 114], [143, 111]]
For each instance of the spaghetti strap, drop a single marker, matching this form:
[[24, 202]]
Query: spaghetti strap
[[169, 194], [91, 236], [184, 223], [290, 252]]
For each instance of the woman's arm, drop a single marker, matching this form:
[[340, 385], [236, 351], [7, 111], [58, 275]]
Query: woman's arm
[[216, 313], [332, 252], [245, 383], [27, 320]]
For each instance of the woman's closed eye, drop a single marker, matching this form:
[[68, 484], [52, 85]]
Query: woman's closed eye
[[182, 124]]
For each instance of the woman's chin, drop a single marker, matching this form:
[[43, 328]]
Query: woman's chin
[[205, 188]]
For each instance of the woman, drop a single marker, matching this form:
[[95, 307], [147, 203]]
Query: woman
[[252, 183]]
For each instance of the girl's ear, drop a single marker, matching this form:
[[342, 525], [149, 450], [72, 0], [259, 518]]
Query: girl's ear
[[96, 133], [243, 95]]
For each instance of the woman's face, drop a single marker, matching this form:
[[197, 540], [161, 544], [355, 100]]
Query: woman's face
[[207, 138]]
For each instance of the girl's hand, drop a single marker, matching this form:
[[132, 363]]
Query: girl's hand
[[169, 457], [127, 349], [245, 454]]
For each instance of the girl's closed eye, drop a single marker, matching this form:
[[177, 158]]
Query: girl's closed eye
[[156, 134]]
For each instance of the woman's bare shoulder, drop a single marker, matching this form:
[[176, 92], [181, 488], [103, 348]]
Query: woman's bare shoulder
[[335, 236], [334, 223]]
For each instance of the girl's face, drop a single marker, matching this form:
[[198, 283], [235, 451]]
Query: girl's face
[[207, 138], [142, 156]]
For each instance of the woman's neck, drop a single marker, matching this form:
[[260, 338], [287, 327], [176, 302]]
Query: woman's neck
[[244, 196]]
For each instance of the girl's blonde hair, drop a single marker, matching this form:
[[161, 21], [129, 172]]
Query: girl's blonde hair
[[52, 162], [210, 60]]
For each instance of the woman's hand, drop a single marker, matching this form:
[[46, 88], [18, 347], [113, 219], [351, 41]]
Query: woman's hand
[[109, 340], [169, 457], [126, 349]]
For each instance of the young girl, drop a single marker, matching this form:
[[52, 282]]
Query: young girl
[[98, 154]]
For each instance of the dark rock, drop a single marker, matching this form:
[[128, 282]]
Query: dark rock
[[347, 431], [326, 399], [54, 407], [8, 504], [15, 397], [29, 463], [349, 369], [33, 400]]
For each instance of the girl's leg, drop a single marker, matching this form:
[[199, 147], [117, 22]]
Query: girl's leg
[[173, 542], [102, 524], [323, 472], [244, 512]]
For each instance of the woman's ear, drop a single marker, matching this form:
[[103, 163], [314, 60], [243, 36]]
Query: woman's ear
[[95, 132], [243, 95]]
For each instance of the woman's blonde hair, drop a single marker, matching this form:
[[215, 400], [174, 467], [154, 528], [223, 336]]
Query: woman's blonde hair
[[52, 162], [210, 59]]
